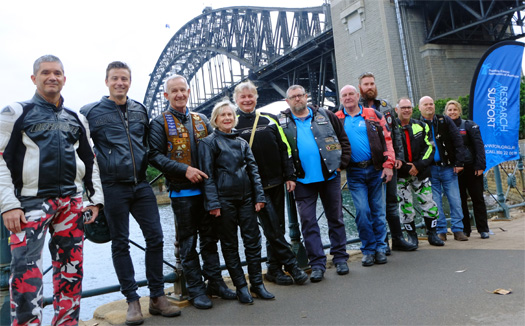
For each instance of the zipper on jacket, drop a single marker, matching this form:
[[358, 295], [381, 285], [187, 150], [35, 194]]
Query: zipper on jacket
[[59, 154], [125, 121]]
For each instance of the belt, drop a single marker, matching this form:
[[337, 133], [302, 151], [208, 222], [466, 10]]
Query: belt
[[362, 164]]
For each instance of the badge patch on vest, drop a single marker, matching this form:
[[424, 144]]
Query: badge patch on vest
[[383, 103], [320, 119], [170, 146], [172, 126], [329, 140], [333, 147]]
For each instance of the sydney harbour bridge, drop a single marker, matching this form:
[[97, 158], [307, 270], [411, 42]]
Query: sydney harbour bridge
[[278, 47]]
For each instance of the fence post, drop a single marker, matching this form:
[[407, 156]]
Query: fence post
[[295, 233], [180, 292], [504, 212]]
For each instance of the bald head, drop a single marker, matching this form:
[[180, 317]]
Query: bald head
[[427, 107], [349, 97]]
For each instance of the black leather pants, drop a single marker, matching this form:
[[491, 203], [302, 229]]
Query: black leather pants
[[192, 220], [240, 213]]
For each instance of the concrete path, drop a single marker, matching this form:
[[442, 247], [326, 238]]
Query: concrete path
[[448, 285]]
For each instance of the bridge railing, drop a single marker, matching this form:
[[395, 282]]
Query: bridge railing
[[505, 185]]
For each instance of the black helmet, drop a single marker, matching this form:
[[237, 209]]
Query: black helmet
[[98, 231]]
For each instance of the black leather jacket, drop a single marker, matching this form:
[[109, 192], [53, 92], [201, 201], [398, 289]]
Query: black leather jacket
[[448, 140], [421, 148], [474, 146], [231, 168], [46, 153], [269, 147], [175, 172], [384, 107], [121, 142]]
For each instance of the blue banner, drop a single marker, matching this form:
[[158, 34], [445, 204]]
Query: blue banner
[[495, 101]]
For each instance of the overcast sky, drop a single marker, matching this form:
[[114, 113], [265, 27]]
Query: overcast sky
[[87, 35]]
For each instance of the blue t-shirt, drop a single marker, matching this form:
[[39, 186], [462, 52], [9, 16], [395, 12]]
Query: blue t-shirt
[[185, 192], [308, 150], [355, 128]]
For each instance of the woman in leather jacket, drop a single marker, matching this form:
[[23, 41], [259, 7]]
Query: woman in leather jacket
[[232, 187], [471, 178]]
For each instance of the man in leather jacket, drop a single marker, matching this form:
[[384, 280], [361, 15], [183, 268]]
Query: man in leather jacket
[[448, 162], [320, 150], [414, 175], [173, 140], [371, 164], [368, 99], [45, 161], [119, 128]]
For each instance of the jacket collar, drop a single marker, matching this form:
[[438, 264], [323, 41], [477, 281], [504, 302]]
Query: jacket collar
[[38, 99], [243, 114], [233, 134]]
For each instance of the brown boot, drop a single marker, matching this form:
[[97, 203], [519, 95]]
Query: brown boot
[[134, 314], [161, 306], [460, 236]]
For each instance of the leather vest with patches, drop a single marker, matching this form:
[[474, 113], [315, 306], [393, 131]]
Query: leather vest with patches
[[178, 136]]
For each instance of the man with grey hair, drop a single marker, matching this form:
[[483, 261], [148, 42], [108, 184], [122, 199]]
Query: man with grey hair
[[320, 150], [173, 139], [371, 164], [45, 162]]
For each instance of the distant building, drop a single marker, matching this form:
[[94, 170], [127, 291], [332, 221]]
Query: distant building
[[367, 38]]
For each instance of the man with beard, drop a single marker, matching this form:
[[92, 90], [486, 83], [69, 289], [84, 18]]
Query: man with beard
[[368, 90], [320, 150]]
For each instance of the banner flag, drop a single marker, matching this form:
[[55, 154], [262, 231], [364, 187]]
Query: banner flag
[[495, 101]]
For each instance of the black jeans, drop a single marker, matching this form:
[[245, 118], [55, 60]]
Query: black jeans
[[139, 200], [467, 180], [240, 213], [192, 221], [272, 222]]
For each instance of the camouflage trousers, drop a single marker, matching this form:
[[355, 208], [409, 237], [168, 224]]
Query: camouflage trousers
[[423, 193], [63, 218]]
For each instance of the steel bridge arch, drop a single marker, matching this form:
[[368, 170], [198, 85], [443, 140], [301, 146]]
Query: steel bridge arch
[[251, 37]]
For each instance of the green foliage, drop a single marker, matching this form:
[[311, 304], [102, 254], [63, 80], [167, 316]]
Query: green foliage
[[152, 173]]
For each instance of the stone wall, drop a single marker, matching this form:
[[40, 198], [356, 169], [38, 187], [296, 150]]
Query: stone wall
[[367, 38]]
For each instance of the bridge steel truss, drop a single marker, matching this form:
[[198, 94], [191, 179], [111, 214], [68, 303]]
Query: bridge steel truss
[[477, 22], [274, 47]]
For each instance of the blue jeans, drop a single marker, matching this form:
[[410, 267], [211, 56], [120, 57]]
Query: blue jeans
[[306, 198], [444, 179], [120, 200], [366, 187]]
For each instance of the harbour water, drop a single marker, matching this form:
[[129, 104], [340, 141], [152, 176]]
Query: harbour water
[[99, 271]]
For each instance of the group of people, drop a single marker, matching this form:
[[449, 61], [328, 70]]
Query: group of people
[[223, 174]]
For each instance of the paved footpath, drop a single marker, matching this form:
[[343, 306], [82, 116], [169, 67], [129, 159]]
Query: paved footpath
[[448, 285]]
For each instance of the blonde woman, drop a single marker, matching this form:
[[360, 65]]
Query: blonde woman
[[233, 194], [471, 179]]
